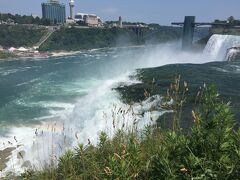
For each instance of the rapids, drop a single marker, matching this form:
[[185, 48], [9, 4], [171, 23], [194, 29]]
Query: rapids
[[50, 105]]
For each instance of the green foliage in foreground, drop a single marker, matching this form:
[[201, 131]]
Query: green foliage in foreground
[[210, 150]]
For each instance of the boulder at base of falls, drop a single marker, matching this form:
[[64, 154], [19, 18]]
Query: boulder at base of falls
[[233, 54]]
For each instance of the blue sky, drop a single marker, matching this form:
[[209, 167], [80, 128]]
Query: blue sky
[[157, 11]]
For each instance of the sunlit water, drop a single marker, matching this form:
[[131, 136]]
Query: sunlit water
[[48, 105]]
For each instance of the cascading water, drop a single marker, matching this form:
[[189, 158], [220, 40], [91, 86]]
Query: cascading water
[[218, 45], [88, 78]]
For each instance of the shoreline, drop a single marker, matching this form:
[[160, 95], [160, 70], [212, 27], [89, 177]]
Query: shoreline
[[157, 80], [63, 53]]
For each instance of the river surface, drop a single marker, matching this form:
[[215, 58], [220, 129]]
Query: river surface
[[32, 90], [48, 105]]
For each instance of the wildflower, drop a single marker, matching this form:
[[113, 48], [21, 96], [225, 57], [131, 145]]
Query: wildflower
[[117, 156], [135, 175], [146, 94], [107, 170], [195, 118], [183, 170], [185, 84]]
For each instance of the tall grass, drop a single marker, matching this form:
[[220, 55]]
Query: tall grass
[[210, 150]]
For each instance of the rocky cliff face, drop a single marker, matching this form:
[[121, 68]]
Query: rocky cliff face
[[233, 54]]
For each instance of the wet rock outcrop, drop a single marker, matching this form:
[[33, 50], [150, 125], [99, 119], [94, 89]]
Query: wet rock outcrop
[[233, 54]]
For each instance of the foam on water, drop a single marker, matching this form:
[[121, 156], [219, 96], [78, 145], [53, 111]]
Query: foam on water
[[100, 109], [64, 53]]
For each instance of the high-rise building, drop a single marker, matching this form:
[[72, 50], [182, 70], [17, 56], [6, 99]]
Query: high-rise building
[[54, 11], [71, 4]]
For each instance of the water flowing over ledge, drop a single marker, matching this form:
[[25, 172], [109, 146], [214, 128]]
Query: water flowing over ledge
[[218, 45], [93, 110]]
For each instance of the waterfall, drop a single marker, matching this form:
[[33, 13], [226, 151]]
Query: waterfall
[[218, 45]]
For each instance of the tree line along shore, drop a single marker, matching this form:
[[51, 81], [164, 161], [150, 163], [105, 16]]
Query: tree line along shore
[[72, 38]]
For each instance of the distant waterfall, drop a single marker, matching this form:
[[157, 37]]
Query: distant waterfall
[[218, 45]]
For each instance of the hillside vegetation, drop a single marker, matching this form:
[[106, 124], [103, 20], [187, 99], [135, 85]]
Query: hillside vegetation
[[19, 35], [76, 39], [86, 38], [19, 19]]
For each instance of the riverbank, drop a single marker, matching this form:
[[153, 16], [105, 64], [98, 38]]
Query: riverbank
[[157, 81], [60, 53], [209, 150], [75, 39], [130, 152]]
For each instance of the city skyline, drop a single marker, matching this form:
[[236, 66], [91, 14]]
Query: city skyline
[[137, 10]]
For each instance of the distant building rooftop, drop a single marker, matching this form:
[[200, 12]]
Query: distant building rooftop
[[54, 1]]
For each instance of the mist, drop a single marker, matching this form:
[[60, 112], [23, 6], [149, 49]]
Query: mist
[[98, 72]]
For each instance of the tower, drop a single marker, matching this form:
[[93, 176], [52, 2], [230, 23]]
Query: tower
[[71, 4], [188, 30], [120, 21]]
